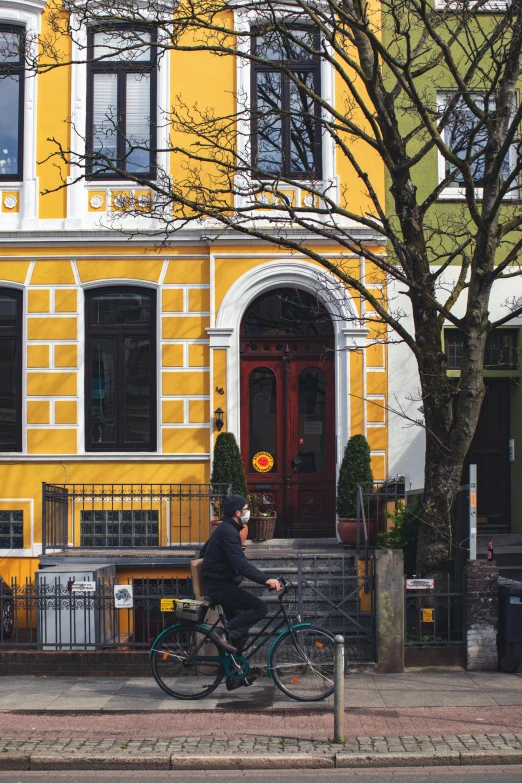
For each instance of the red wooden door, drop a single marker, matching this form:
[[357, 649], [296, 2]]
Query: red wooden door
[[288, 433]]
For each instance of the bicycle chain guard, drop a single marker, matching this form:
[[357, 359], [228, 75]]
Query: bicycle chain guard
[[236, 667]]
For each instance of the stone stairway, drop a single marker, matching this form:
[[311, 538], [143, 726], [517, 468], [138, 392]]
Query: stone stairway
[[327, 575], [507, 552]]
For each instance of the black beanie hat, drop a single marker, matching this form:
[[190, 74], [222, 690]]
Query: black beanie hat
[[233, 503]]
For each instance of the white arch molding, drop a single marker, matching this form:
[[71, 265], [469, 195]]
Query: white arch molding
[[349, 332]]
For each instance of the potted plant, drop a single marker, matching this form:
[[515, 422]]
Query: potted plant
[[393, 486], [263, 517], [355, 469], [227, 468]]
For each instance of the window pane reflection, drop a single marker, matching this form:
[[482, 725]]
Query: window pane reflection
[[312, 420], [103, 393], [137, 390], [120, 309], [287, 312], [302, 124], [8, 394], [269, 122], [262, 414]]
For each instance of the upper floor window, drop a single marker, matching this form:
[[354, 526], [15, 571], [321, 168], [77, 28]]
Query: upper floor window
[[466, 135], [286, 133], [11, 102], [121, 370], [10, 370], [500, 352], [121, 113]]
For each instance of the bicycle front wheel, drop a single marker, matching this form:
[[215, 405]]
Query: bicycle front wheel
[[303, 663], [180, 662]]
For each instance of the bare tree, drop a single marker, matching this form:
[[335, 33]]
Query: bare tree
[[418, 88]]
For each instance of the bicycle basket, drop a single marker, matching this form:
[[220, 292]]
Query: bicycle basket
[[187, 609]]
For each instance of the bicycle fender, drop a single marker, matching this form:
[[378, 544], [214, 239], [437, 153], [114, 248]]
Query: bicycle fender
[[176, 625], [283, 633]]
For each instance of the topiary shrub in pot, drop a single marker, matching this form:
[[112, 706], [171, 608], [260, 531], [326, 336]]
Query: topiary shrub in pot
[[227, 468], [355, 469]]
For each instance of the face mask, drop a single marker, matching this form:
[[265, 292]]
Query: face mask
[[245, 516]]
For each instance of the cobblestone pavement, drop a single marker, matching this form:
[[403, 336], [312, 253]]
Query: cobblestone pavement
[[262, 745]]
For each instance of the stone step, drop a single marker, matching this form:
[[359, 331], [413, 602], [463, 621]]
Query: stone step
[[499, 539]]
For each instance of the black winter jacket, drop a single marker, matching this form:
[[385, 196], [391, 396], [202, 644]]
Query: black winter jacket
[[224, 561]]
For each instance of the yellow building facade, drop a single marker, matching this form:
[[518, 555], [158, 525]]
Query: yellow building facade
[[63, 253]]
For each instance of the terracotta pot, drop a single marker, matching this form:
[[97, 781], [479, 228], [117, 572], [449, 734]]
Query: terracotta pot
[[213, 525], [347, 529]]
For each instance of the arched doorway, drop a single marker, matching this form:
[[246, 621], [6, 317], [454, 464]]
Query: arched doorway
[[288, 409]]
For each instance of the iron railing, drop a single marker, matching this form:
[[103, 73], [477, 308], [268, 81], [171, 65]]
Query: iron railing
[[375, 503], [436, 617], [100, 516], [48, 615]]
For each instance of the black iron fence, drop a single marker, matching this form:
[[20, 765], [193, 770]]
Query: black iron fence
[[376, 502], [51, 614], [128, 515], [59, 613], [436, 617]]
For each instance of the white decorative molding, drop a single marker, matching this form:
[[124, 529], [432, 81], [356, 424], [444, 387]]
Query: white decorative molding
[[96, 202], [285, 273], [10, 202], [219, 338]]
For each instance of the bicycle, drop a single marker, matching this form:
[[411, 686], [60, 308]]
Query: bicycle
[[188, 664]]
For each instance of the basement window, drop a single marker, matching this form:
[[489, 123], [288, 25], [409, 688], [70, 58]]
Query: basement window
[[11, 529]]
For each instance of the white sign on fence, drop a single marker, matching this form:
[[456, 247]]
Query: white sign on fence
[[123, 597], [83, 587], [420, 584]]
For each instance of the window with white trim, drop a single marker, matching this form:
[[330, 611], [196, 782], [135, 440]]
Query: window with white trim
[[466, 136], [286, 133], [121, 106], [11, 102]]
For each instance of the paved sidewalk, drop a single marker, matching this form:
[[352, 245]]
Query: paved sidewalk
[[414, 719], [377, 691]]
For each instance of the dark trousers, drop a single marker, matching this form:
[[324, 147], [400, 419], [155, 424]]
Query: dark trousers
[[242, 609]]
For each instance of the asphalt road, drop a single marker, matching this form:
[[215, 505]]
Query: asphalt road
[[504, 774]]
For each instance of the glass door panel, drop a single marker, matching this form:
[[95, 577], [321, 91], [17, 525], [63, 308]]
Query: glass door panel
[[262, 406], [311, 422]]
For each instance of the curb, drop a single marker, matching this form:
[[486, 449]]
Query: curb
[[243, 761]]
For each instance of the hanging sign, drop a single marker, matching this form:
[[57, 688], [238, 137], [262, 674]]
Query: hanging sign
[[263, 461], [420, 584], [167, 604], [313, 428], [83, 587], [123, 597]]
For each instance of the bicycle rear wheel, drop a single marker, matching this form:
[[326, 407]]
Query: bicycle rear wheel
[[302, 663], [179, 665]]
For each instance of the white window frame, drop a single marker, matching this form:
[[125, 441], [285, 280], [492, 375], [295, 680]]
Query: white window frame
[[78, 216], [455, 192], [245, 20], [26, 14]]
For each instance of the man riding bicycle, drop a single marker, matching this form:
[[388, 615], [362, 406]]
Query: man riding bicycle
[[224, 567]]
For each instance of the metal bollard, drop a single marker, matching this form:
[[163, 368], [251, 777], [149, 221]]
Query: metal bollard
[[339, 688]]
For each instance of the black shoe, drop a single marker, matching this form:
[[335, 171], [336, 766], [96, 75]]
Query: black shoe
[[219, 636], [246, 682]]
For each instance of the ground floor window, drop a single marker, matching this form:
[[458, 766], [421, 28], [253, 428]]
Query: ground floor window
[[119, 528], [11, 529]]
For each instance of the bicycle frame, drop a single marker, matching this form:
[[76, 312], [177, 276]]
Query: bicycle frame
[[229, 660]]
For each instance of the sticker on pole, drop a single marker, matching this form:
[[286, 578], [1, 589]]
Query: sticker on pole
[[83, 587], [420, 584], [123, 597]]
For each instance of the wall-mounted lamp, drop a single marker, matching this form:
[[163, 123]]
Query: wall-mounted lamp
[[218, 413]]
